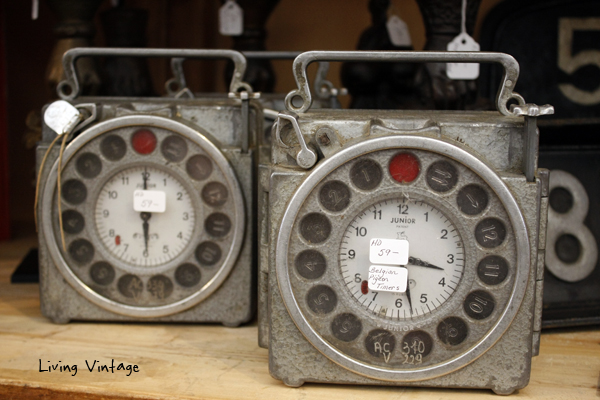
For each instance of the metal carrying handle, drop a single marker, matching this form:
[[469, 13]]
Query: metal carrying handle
[[505, 92], [69, 88], [177, 85]]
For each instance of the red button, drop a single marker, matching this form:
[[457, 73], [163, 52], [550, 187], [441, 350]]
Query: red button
[[144, 141], [404, 167]]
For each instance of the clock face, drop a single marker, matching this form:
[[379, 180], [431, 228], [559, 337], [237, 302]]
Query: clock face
[[153, 216], [143, 238], [434, 271], [444, 299]]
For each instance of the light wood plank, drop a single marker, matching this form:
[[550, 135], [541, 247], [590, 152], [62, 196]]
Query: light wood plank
[[215, 362]]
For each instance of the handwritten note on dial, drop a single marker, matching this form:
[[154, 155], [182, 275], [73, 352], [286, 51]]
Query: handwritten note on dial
[[388, 279], [388, 251], [149, 201]]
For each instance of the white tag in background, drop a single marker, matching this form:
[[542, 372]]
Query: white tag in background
[[62, 117], [388, 251], [463, 42], [398, 32], [231, 19], [149, 201], [388, 279]]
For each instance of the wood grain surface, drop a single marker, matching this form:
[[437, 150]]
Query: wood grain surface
[[213, 362]]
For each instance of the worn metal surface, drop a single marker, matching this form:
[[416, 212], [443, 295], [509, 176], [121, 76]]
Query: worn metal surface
[[298, 352], [66, 295]]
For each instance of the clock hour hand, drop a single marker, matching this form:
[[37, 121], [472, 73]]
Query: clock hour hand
[[420, 263]]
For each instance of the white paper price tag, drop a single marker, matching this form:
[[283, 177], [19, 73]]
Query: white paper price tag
[[388, 279], [463, 42], [398, 32], [231, 19], [388, 251], [149, 201], [62, 117]]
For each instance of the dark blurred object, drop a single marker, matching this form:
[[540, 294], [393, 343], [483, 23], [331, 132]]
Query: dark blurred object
[[443, 20], [259, 73], [379, 85], [573, 303], [75, 28], [557, 46], [125, 76], [28, 270], [4, 180]]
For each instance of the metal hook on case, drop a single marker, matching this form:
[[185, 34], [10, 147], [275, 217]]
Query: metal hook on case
[[69, 88], [505, 92], [306, 157]]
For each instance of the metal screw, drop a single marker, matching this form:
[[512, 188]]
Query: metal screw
[[323, 137]]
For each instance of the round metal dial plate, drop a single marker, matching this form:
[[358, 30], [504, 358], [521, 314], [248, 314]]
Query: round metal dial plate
[[468, 257], [144, 263]]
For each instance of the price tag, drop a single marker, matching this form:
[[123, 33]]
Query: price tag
[[388, 251], [231, 19], [463, 42], [149, 201], [388, 279], [62, 117], [398, 32]]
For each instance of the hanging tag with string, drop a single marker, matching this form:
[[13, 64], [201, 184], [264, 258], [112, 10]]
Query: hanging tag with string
[[62, 118], [398, 32], [463, 42], [231, 19]]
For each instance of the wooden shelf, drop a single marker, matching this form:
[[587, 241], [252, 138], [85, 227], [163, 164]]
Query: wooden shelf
[[213, 362]]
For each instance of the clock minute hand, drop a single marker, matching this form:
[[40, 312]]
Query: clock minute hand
[[420, 263], [408, 296], [145, 217]]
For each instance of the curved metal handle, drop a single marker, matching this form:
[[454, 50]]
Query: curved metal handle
[[69, 88], [505, 93]]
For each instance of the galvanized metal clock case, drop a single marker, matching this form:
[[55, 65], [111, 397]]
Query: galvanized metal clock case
[[462, 188], [192, 262]]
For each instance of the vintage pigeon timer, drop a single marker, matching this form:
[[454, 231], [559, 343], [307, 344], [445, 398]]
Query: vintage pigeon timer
[[403, 247], [157, 204]]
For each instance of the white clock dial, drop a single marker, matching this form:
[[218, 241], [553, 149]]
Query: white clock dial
[[436, 257], [144, 238]]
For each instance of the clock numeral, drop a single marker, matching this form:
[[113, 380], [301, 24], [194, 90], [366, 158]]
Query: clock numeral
[[165, 249], [124, 180], [111, 233], [112, 194], [357, 278], [403, 209], [423, 298], [444, 234], [376, 214], [442, 282], [179, 196], [450, 259], [351, 254], [362, 231], [105, 213], [145, 253], [375, 296], [399, 303], [186, 216], [180, 235], [426, 217]]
